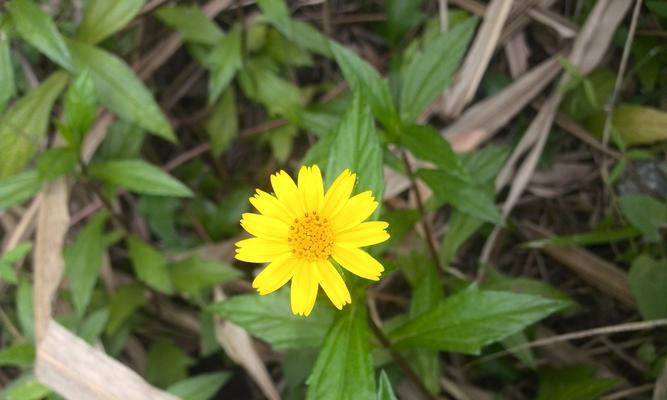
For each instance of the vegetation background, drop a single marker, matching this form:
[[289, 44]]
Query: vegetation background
[[518, 146]]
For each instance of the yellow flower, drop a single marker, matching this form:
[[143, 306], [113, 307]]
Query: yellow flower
[[299, 228]]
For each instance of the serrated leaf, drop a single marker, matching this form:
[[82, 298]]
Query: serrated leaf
[[123, 304], [37, 28], [194, 274], [648, 283], [140, 177], [645, 213], [200, 387], [270, 319], [80, 107], [101, 19], [149, 265], [83, 261], [429, 72], [356, 147], [19, 355], [425, 143], [461, 195], [472, 319], [385, 390], [7, 85], [191, 23], [577, 383], [119, 89], [23, 127], [18, 188], [344, 367], [222, 126]]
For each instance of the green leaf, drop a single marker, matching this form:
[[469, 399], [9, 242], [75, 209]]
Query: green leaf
[[11, 257], [19, 355], [7, 85], [483, 165], [270, 319], [309, 38], [38, 29], [648, 280], [576, 383], [83, 261], [658, 7], [357, 147], [80, 107], [344, 367], [261, 84], [140, 177], [224, 60], [166, 364], [23, 127], [461, 227], [149, 265], [402, 15], [93, 326], [18, 188], [430, 71], [472, 319], [27, 387], [104, 18], [425, 143], [194, 274], [461, 195], [277, 13], [222, 126], [191, 23], [24, 309], [385, 391], [200, 387], [645, 213], [281, 140], [365, 79], [119, 89], [55, 162], [123, 304]]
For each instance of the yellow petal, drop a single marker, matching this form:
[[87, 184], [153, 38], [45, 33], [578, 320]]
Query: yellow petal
[[268, 205], [275, 275], [355, 211], [264, 226], [311, 187], [258, 250], [304, 289], [358, 262], [338, 193], [287, 192], [364, 234], [333, 284]]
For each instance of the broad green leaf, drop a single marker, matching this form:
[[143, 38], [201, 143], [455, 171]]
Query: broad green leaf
[[123, 304], [648, 283], [83, 261], [119, 89], [18, 188], [344, 367], [357, 147], [645, 213], [149, 265], [385, 390], [277, 13], [461, 195], [191, 23], [194, 274], [483, 165], [38, 29], [461, 227], [104, 18], [94, 325], [270, 319], [140, 177], [224, 60], [285, 52], [635, 124], [55, 162], [24, 309], [309, 38], [429, 72], [80, 107], [7, 85], [23, 127], [166, 364], [575, 383], [497, 281], [222, 126], [425, 143], [19, 355], [472, 319], [26, 387], [200, 387], [363, 78], [261, 84]]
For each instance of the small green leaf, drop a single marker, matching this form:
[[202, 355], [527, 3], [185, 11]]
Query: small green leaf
[[645, 213], [149, 265], [7, 85], [261, 84], [19, 355], [123, 304], [55, 162], [277, 13], [80, 107], [648, 280], [472, 319], [461, 227], [24, 309], [119, 89], [223, 62], [430, 71], [222, 126], [270, 319], [194, 274], [166, 364], [11, 257], [94, 325], [191, 23], [344, 367], [425, 143], [27, 387], [576, 383], [104, 18], [385, 390], [140, 177], [200, 387], [38, 29], [83, 261], [18, 188]]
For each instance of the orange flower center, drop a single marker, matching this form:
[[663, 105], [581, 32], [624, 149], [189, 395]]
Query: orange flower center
[[311, 237]]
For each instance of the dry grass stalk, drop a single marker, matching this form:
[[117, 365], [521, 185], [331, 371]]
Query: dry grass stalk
[[517, 53]]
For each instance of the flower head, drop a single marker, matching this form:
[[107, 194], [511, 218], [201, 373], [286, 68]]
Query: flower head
[[299, 229]]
